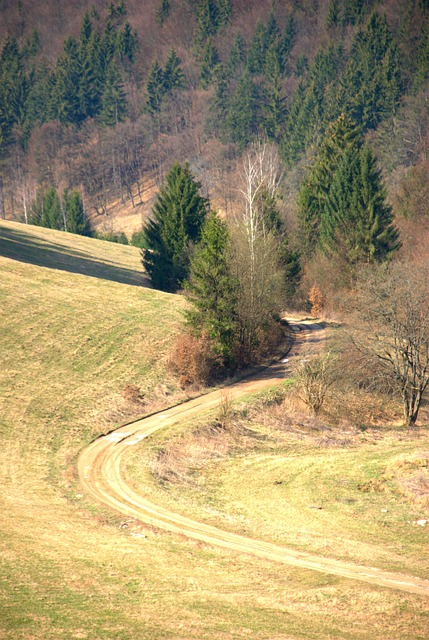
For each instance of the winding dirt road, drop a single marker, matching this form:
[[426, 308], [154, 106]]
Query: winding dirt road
[[100, 472]]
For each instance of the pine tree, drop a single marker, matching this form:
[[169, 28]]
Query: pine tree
[[372, 83], [177, 218], [76, 219], [207, 20], [65, 98], [237, 55], [173, 77], [155, 88], [46, 210], [274, 109], [209, 62], [333, 14], [340, 136], [126, 43], [356, 223], [114, 100], [242, 120], [163, 11], [212, 289]]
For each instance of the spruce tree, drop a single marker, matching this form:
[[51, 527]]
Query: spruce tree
[[341, 135], [155, 88], [209, 62], [212, 288], [242, 120], [163, 11], [76, 219], [177, 218], [114, 101], [126, 43], [173, 77], [356, 222]]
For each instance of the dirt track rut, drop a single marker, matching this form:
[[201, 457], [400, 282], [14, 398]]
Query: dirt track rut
[[100, 472]]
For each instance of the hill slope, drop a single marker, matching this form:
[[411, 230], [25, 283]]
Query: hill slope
[[71, 344]]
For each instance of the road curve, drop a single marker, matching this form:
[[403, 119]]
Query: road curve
[[100, 473]]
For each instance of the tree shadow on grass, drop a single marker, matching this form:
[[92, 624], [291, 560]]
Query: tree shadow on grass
[[24, 247]]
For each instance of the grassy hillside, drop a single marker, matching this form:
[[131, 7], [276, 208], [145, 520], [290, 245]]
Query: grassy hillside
[[71, 346]]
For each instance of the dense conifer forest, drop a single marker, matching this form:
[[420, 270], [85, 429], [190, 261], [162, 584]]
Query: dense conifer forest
[[99, 100]]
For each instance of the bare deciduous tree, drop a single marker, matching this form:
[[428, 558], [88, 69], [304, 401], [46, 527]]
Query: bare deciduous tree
[[392, 327], [256, 260]]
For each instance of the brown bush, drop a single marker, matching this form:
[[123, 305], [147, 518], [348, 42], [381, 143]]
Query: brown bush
[[194, 360], [316, 300]]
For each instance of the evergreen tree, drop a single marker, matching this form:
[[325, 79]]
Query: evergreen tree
[[289, 37], [209, 62], [256, 54], [163, 11], [114, 101], [333, 14], [76, 219], [108, 44], [237, 55], [207, 20], [155, 88], [224, 11], [14, 88], [274, 109], [177, 218], [242, 120], [356, 222], [372, 83], [212, 288], [341, 136], [173, 77], [46, 210], [85, 31], [66, 99], [126, 43]]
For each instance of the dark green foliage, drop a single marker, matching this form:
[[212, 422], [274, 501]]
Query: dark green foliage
[[341, 135], [333, 14], [155, 88], [114, 100], [237, 55], [163, 11], [213, 290], [312, 105], [14, 90], [242, 119], [126, 42], [65, 100], [372, 83], [111, 236], [76, 220], [138, 239], [46, 210], [66, 214], [356, 222], [208, 63], [174, 77], [177, 217], [207, 19], [163, 82]]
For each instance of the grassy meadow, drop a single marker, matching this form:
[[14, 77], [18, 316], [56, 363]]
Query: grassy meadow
[[84, 347]]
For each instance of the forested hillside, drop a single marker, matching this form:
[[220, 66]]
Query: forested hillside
[[98, 100]]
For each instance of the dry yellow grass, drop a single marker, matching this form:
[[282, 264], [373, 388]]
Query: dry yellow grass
[[70, 345]]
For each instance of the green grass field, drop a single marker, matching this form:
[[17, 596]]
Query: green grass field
[[76, 332]]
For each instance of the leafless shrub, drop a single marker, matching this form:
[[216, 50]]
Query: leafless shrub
[[315, 375], [193, 360]]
